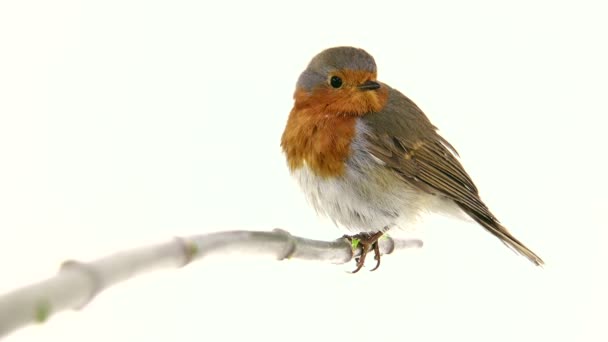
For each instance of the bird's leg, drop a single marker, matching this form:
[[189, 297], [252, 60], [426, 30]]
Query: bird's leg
[[368, 241]]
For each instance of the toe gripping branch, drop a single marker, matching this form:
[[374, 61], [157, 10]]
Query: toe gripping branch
[[368, 241]]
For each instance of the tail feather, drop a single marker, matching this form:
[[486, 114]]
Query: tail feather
[[492, 225]]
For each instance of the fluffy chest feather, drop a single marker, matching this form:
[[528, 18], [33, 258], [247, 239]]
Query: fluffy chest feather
[[322, 125], [320, 141], [365, 196]]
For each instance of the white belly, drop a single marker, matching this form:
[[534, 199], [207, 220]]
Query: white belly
[[363, 203]]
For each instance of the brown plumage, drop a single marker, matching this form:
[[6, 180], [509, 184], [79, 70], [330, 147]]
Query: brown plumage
[[426, 160]]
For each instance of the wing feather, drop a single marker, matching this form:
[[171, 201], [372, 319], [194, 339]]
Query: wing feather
[[426, 160]]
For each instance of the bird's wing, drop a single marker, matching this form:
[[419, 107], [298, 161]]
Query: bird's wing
[[431, 166], [422, 158]]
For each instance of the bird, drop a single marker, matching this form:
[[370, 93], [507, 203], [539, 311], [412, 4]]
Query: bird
[[366, 156]]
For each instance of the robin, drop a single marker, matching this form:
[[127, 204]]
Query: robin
[[366, 156]]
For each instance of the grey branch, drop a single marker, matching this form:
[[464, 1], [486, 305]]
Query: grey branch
[[77, 283]]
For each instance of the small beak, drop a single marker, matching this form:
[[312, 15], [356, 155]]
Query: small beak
[[369, 85]]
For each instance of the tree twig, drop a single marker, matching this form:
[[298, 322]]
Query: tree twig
[[77, 283]]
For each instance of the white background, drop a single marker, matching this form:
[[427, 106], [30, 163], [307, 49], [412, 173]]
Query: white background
[[129, 122]]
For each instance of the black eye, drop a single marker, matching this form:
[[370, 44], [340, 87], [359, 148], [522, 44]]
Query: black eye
[[335, 82]]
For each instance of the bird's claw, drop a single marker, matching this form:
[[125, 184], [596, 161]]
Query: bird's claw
[[368, 241]]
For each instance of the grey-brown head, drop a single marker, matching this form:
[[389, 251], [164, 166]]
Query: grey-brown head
[[341, 81], [332, 60]]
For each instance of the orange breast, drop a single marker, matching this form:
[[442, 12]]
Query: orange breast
[[320, 140], [321, 126]]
